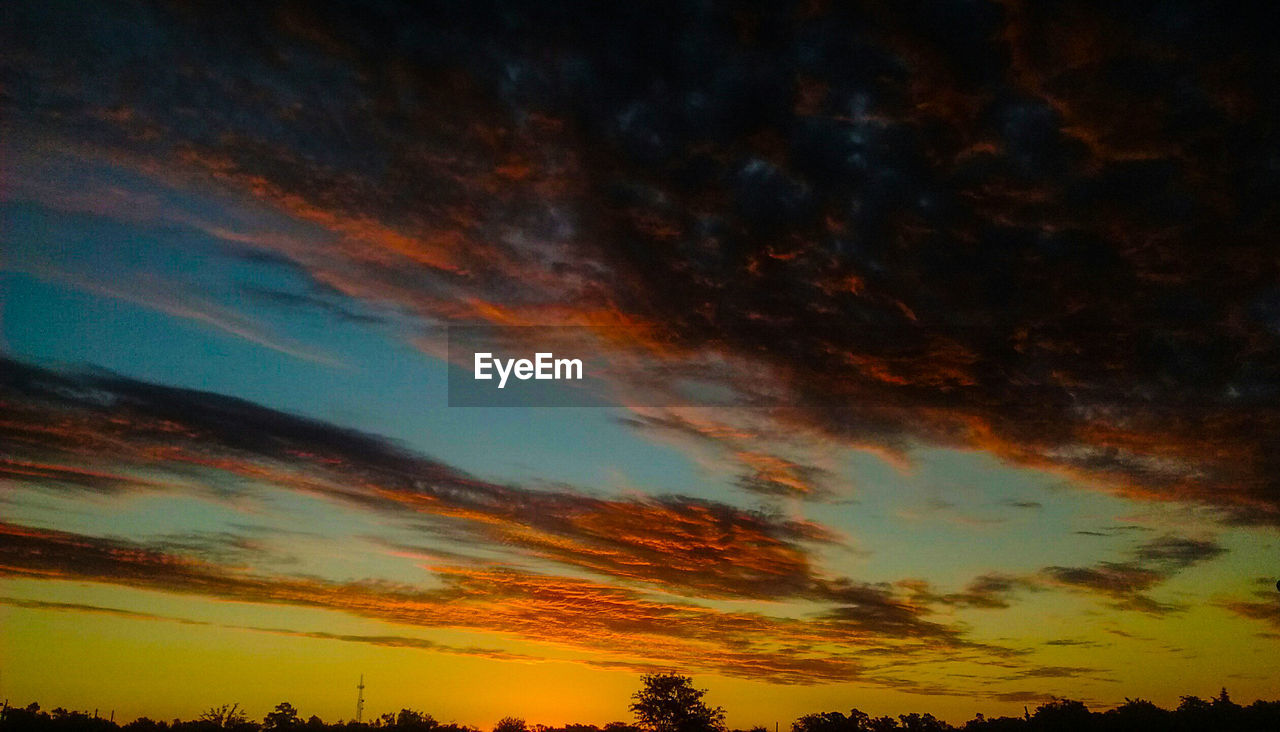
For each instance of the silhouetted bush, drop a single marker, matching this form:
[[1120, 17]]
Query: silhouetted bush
[[510, 724]]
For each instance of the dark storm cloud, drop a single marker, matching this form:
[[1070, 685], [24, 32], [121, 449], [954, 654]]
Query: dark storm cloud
[[1264, 605], [990, 591], [1173, 553], [1071, 642], [1042, 233], [218, 546], [1020, 696], [987, 591], [1150, 564], [877, 608], [1054, 672], [1124, 584]]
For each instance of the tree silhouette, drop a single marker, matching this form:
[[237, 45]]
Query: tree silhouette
[[670, 703], [855, 721], [1140, 714], [510, 724], [284, 717], [227, 716], [410, 719], [921, 723], [1061, 715]]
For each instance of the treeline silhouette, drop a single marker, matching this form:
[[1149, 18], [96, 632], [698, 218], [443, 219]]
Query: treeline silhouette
[[670, 703]]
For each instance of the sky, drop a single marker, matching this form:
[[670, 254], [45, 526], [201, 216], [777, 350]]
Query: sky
[[993, 286]]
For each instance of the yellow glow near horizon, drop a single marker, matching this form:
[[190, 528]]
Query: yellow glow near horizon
[[161, 669]]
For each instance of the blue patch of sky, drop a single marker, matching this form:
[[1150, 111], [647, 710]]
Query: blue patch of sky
[[380, 384]]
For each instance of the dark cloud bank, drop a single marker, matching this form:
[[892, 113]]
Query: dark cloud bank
[[1045, 230]]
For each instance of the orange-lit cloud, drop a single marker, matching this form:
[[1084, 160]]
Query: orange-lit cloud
[[692, 547], [575, 613]]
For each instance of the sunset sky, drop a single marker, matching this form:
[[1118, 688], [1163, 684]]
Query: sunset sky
[[999, 282]]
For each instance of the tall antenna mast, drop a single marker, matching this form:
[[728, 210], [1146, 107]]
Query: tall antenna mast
[[360, 699]]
